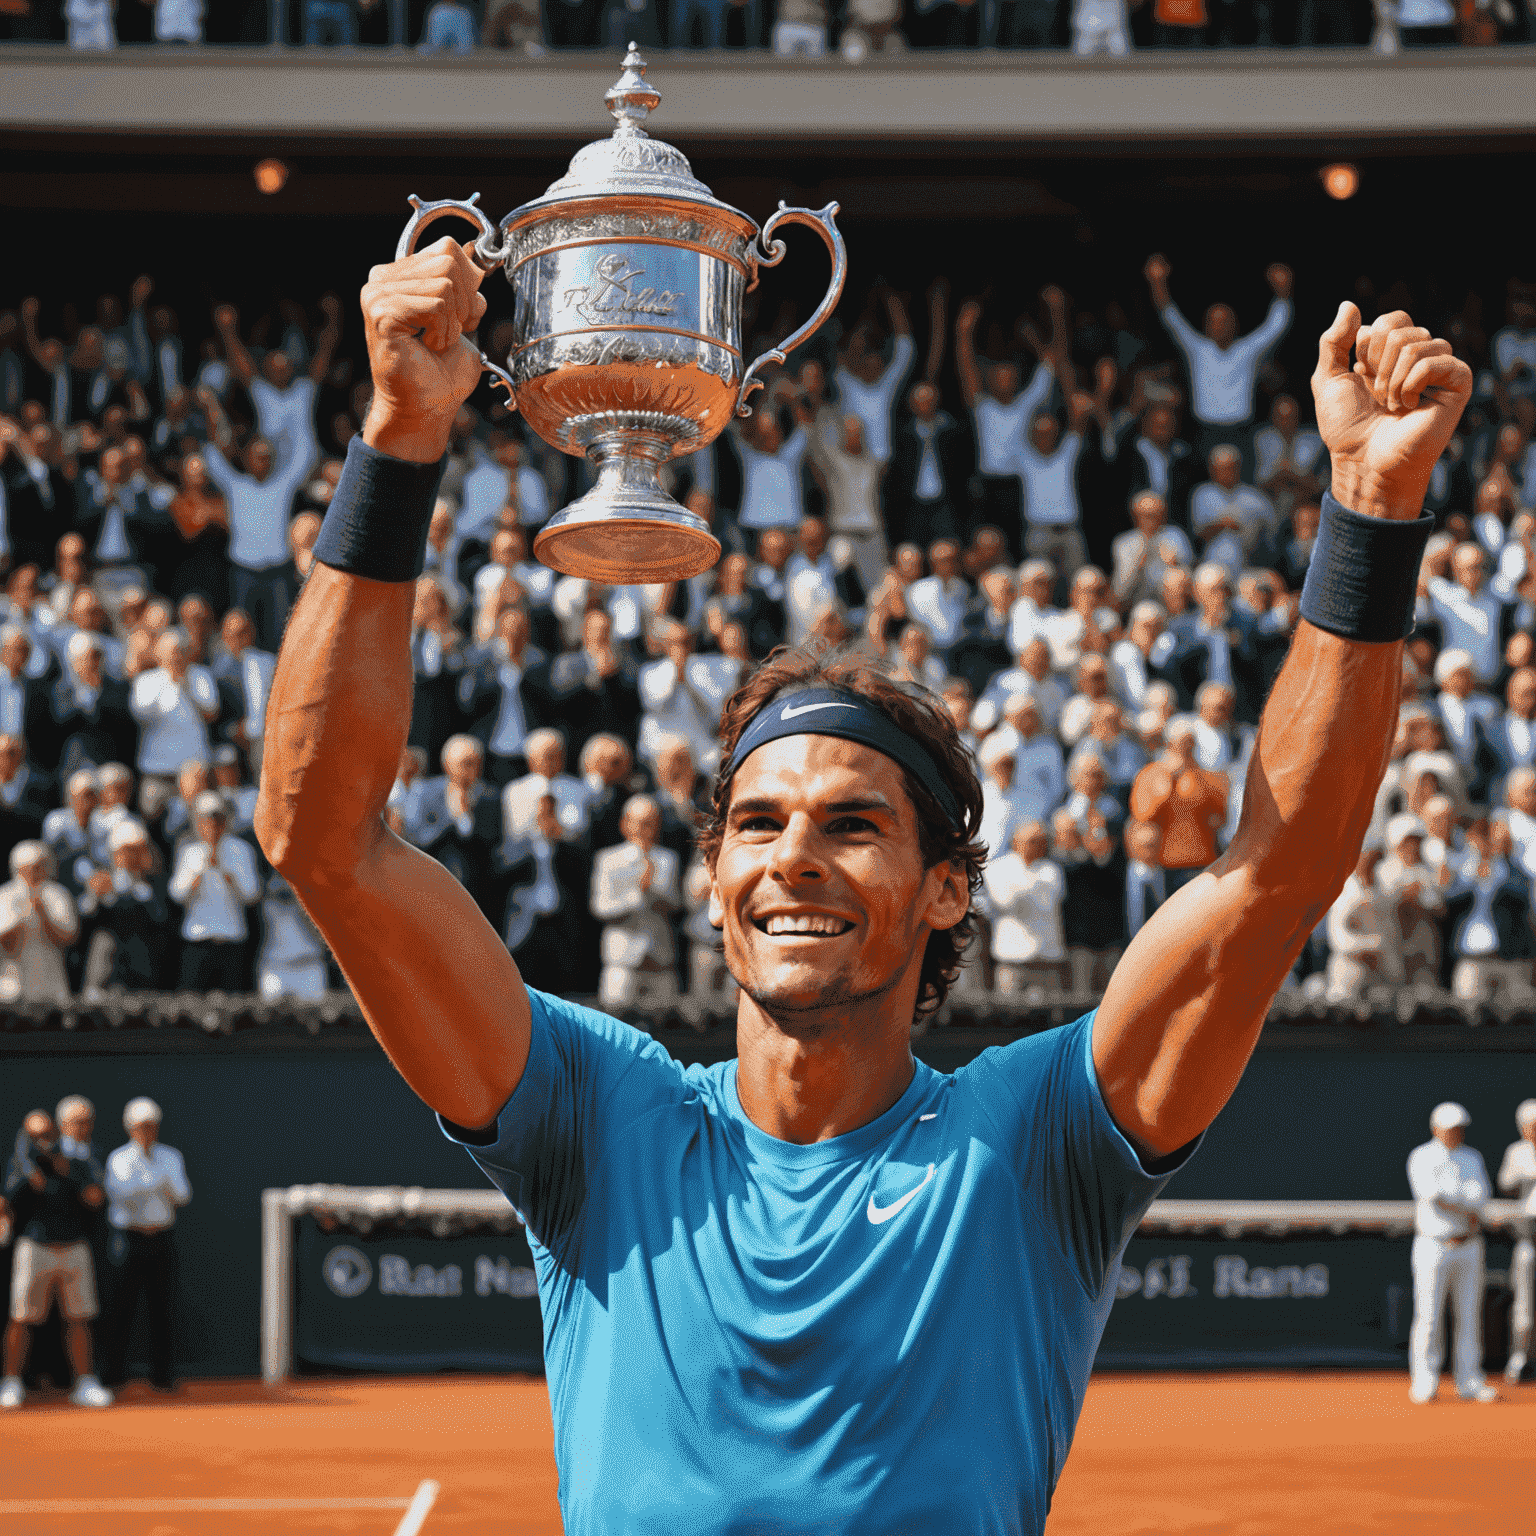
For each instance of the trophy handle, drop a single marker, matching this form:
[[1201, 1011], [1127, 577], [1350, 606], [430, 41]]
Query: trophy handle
[[487, 254], [824, 223]]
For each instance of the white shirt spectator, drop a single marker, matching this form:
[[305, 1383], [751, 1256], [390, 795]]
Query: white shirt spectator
[[939, 606], [35, 972], [520, 804], [1222, 382], [181, 21], [258, 509], [1001, 430], [873, 403], [671, 709], [1026, 900], [485, 494], [1027, 621], [637, 927], [770, 495], [285, 417], [1469, 623], [229, 883], [1134, 578], [1050, 486], [1517, 1175], [144, 1188], [1039, 773], [1049, 696], [292, 958], [1270, 450], [172, 729], [1457, 1176], [1510, 346], [90, 24], [1426, 13], [1003, 812], [1460, 717], [1253, 511]]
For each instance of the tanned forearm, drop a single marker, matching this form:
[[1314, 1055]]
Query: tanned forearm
[[434, 980]]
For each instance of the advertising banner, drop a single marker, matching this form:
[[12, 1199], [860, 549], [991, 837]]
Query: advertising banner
[[411, 1302]]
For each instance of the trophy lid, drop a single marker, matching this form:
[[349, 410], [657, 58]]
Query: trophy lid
[[630, 163]]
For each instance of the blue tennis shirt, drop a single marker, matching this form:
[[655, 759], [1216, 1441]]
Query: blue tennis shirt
[[888, 1332]]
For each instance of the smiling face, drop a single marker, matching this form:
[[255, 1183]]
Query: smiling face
[[819, 883]]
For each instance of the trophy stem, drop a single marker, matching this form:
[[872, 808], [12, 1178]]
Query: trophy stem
[[627, 529]]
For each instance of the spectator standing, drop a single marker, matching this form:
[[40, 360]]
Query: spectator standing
[[1416, 896], [1290, 462], [850, 478], [550, 875], [1146, 887], [52, 1199], [1187, 803], [634, 894], [91, 24], [1003, 804], [260, 501], [1362, 936], [1471, 613], [292, 956], [1517, 1179], [174, 703], [940, 602], [130, 916], [38, 925], [1160, 460], [1489, 911], [146, 1183], [178, 21], [1450, 1188], [214, 881], [1025, 891], [1136, 662], [1223, 366], [680, 697], [868, 386], [1145, 555], [596, 687], [926, 483], [1232, 520], [1514, 347], [545, 751], [461, 825], [1093, 900]]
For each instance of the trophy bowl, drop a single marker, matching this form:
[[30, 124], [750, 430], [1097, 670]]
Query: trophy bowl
[[629, 276]]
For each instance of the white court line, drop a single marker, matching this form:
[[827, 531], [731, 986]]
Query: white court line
[[426, 1496], [204, 1506]]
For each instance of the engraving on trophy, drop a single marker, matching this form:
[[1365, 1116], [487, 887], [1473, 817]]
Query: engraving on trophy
[[532, 239], [610, 295]]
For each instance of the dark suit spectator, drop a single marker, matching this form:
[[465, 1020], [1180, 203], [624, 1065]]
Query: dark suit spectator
[[926, 484], [1488, 913], [1159, 460], [1093, 908], [1508, 740], [1146, 887], [607, 768], [547, 921], [461, 826], [200, 515], [26, 795], [1144, 556], [129, 911], [504, 696], [596, 688], [39, 504], [67, 831], [737, 599], [1221, 646], [438, 659], [244, 676], [52, 1199], [127, 537], [24, 697]]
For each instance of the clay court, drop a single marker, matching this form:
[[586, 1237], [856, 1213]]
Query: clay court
[[1156, 1455]]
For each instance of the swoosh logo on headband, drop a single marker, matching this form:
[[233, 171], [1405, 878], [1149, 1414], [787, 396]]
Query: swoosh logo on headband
[[792, 712]]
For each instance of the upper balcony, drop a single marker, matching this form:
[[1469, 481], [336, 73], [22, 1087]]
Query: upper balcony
[[755, 105]]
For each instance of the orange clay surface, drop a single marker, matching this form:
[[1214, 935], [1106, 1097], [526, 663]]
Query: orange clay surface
[[1225, 1455]]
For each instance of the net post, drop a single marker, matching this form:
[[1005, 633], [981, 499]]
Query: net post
[[276, 1286]]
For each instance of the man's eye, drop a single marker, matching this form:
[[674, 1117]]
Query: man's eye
[[846, 825], [758, 824]]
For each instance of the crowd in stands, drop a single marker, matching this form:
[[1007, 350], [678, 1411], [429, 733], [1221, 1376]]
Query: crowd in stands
[[855, 30], [1088, 542]]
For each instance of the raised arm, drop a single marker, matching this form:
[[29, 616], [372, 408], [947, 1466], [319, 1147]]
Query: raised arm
[[1157, 272], [435, 982], [938, 326], [48, 356], [226, 321], [326, 342], [965, 353], [1183, 1011]]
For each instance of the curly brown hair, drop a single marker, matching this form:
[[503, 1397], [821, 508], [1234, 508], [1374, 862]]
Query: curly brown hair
[[922, 716]]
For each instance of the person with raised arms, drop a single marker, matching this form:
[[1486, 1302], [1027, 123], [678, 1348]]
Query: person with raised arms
[[822, 1286]]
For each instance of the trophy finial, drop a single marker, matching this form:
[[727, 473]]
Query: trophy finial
[[633, 98]]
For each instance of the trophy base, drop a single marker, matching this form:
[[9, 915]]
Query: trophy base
[[626, 530]]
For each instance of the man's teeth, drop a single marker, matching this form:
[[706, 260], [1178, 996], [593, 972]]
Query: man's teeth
[[811, 923]]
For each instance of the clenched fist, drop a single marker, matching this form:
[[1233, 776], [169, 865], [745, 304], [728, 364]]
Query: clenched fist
[[1387, 418], [416, 313]]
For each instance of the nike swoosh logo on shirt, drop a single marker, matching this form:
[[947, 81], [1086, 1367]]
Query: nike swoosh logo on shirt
[[791, 712], [879, 1214]]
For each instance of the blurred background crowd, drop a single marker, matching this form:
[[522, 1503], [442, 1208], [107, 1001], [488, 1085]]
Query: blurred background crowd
[[855, 30], [1085, 534]]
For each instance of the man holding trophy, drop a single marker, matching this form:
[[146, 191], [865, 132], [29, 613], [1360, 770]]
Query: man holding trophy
[[823, 1287]]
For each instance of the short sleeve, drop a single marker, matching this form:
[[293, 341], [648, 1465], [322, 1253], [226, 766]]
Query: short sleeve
[[1086, 1181], [587, 1077]]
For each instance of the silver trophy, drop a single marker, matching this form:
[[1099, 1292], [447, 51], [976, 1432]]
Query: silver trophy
[[629, 275]]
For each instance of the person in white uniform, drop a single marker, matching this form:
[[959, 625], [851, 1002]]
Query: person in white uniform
[[1517, 1178], [1450, 1188]]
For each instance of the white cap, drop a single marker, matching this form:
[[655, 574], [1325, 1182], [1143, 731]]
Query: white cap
[[1447, 1115], [1525, 1111], [1406, 825], [137, 1111]]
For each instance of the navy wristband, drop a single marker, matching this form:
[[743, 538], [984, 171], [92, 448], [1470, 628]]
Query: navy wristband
[[376, 525], [1363, 578]]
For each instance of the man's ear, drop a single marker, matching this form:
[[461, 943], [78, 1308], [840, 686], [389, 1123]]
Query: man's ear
[[716, 906], [952, 899]]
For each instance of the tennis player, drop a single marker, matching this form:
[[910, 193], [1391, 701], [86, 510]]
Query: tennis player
[[825, 1288]]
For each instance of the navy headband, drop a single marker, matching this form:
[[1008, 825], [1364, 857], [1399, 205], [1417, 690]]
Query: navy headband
[[832, 712]]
